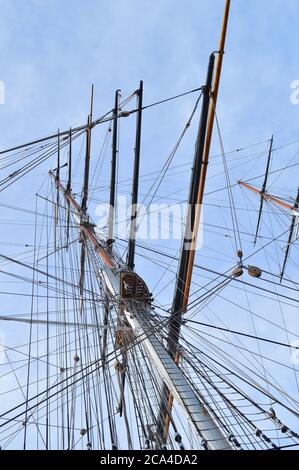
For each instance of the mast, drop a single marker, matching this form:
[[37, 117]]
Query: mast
[[69, 188], [111, 214], [292, 228], [113, 169], [197, 185], [139, 320], [179, 296], [85, 190], [57, 196], [131, 247], [69, 182], [87, 155], [204, 166], [263, 190], [178, 301], [268, 197], [58, 155], [293, 209]]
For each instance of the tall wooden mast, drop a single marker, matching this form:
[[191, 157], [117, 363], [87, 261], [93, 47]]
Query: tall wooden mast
[[184, 261], [205, 161], [197, 186]]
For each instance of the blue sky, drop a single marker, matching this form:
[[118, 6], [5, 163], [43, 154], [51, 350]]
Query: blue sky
[[51, 51]]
